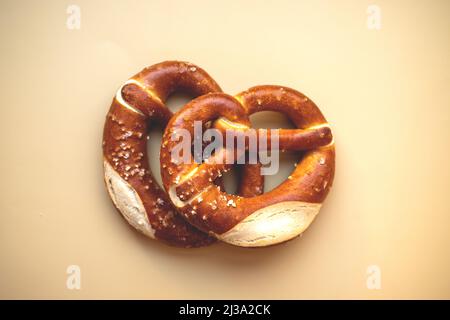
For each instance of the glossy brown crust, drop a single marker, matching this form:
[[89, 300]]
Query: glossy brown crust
[[251, 181], [125, 142], [218, 211]]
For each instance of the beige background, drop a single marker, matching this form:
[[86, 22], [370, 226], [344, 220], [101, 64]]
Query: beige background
[[386, 94]]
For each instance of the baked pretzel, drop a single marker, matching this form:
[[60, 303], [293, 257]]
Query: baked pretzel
[[138, 104], [273, 217]]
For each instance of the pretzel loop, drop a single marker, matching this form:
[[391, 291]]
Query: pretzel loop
[[138, 104], [270, 218]]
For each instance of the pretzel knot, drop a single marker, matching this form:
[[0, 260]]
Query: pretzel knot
[[195, 210]]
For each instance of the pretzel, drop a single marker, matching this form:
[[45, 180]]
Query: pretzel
[[138, 104], [273, 217]]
